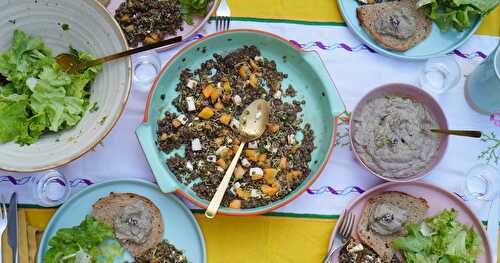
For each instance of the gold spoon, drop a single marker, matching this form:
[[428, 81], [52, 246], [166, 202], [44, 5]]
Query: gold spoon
[[253, 123], [475, 134], [73, 65]]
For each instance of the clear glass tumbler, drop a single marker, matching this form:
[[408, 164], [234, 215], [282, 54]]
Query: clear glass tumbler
[[146, 66], [482, 182], [50, 188], [440, 74]]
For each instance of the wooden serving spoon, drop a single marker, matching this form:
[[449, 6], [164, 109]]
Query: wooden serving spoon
[[475, 134], [253, 123], [73, 65]]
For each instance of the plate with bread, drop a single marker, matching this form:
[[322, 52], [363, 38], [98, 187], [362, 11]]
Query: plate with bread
[[122, 221], [413, 29], [412, 222]]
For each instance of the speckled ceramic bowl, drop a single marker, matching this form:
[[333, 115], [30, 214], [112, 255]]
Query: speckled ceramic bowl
[[305, 71], [91, 29], [417, 95]]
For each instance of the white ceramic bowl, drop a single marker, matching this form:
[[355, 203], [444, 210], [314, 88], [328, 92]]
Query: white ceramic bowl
[[92, 29]]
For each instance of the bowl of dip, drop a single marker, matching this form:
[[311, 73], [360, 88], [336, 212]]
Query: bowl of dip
[[390, 132]]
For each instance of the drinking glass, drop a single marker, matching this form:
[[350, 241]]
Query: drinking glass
[[482, 182], [440, 74], [50, 188], [146, 67]]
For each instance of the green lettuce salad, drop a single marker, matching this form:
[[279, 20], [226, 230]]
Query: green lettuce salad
[[440, 239], [88, 242], [40, 96], [456, 13], [190, 8]]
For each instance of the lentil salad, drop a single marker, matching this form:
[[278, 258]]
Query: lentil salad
[[210, 100]]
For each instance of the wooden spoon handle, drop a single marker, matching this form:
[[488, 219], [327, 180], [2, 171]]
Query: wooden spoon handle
[[133, 51], [475, 134], [219, 194]]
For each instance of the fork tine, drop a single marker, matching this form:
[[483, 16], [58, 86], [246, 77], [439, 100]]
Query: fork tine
[[350, 225], [3, 212], [347, 224], [343, 225], [228, 20], [216, 23]]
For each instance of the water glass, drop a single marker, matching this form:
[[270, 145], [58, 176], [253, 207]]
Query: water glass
[[440, 74], [146, 66], [482, 182], [50, 188]]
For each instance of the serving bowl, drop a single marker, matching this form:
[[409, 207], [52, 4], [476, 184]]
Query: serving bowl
[[305, 70], [91, 29], [417, 95]]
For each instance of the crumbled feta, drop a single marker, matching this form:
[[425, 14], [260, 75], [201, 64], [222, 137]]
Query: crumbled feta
[[245, 162], [254, 193], [189, 166], [196, 144], [234, 187], [220, 169], [291, 139], [235, 124], [356, 248], [277, 94], [237, 100], [221, 151], [190, 103], [229, 140], [211, 158], [253, 144], [182, 118], [219, 85], [267, 146], [258, 58], [191, 83], [256, 171]]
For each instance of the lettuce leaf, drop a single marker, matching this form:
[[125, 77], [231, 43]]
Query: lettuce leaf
[[190, 8], [52, 100], [441, 240], [91, 239], [456, 13]]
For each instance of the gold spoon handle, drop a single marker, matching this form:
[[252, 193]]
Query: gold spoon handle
[[475, 134], [219, 194], [132, 51]]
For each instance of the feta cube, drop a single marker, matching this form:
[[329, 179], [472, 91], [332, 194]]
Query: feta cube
[[245, 162], [191, 83], [277, 95], [291, 139], [254, 193], [256, 171], [221, 151], [234, 187], [237, 100], [211, 158], [258, 58], [196, 144], [229, 140], [220, 169], [189, 166], [253, 144], [235, 124], [219, 85], [182, 119], [190, 103], [356, 248]]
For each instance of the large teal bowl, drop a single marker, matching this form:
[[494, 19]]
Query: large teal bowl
[[436, 44], [305, 70]]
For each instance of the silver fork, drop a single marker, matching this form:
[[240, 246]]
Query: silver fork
[[3, 223], [343, 234], [222, 16]]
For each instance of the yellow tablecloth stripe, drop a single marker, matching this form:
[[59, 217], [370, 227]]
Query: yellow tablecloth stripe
[[322, 11]]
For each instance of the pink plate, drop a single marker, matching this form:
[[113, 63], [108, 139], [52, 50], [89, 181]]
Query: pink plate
[[438, 200], [188, 30]]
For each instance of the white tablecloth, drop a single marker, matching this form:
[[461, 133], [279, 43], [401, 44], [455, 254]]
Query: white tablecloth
[[355, 70]]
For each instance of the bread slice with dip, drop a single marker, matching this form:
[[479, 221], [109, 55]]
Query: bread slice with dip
[[396, 25], [384, 217], [136, 221]]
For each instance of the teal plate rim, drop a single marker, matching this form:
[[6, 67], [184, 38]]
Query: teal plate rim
[[44, 241], [368, 41]]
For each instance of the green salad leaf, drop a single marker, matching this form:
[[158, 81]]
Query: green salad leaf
[[40, 96], [190, 8], [91, 241], [456, 13], [439, 239]]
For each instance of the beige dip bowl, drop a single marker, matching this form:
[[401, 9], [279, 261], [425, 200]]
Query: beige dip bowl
[[92, 29]]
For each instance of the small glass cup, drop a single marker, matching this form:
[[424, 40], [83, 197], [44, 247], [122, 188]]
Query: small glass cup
[[146, 67], [440, 74], [50, 188], [482, 182]]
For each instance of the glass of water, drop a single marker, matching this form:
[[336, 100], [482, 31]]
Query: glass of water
[[50, 188], [482, 182], [146, 66], [440, 74]]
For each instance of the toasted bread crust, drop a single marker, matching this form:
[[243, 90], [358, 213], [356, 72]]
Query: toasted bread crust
[[416, 207], [368, 14], [106, 209]]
